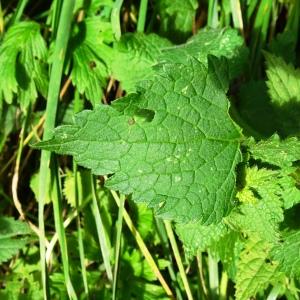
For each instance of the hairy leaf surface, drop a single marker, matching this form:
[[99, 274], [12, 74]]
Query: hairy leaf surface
[[173, 145], [255, 270]]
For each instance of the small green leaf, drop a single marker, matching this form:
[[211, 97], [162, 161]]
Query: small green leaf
[[89, 51], [255, 271], [22, 59], [176, 18], [13, 237], [283, 80], [276, 151], [261, 210], [287, 253]]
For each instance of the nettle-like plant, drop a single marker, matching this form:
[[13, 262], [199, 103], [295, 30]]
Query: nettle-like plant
[[224, 172], [174, 146]]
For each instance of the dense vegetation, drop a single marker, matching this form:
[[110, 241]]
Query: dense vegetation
[[149, 149]]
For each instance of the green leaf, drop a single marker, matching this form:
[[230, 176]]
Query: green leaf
[[134, 56], [283, 80], [217, 42], [255, 270], [176, 18], [228, 249], [89, 71], [22, 59], [179, 157], [261, 210], [83, 185], [195, 236], [287, 253], [34, 186], [276, 151], [13, 237], [284, 88]]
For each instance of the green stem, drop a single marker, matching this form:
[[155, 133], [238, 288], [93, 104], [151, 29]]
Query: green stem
[[213, 276], [223, 286], [19, 11], [237, 15], [161, 229], [59, 227], [142, 16], [143, 247], [79, 231], [178, 259], [201, 275], [118, 245], [275, 291], [115, 19], [212, 18], [51, 108], [100, 230]]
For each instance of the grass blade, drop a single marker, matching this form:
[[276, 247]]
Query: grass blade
[[59, 227], [115, 19], [51, 108], [118, 245], [143, 248], [142, 16], [175, 249], [100, 230]]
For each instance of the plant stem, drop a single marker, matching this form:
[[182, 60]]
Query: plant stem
[[237, 15], [118, 245], [79, 231], [201, 276], [51, 108], [142, 16], [71, 216], [161, 229], [275, 291], [59, 227], [19, 11], [101, 234], [212, 18], [175, 249], [143, 248], [213, 276], [115, 19], [223, 286]]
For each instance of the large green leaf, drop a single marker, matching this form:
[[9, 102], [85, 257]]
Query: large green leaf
[[173, 145]]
